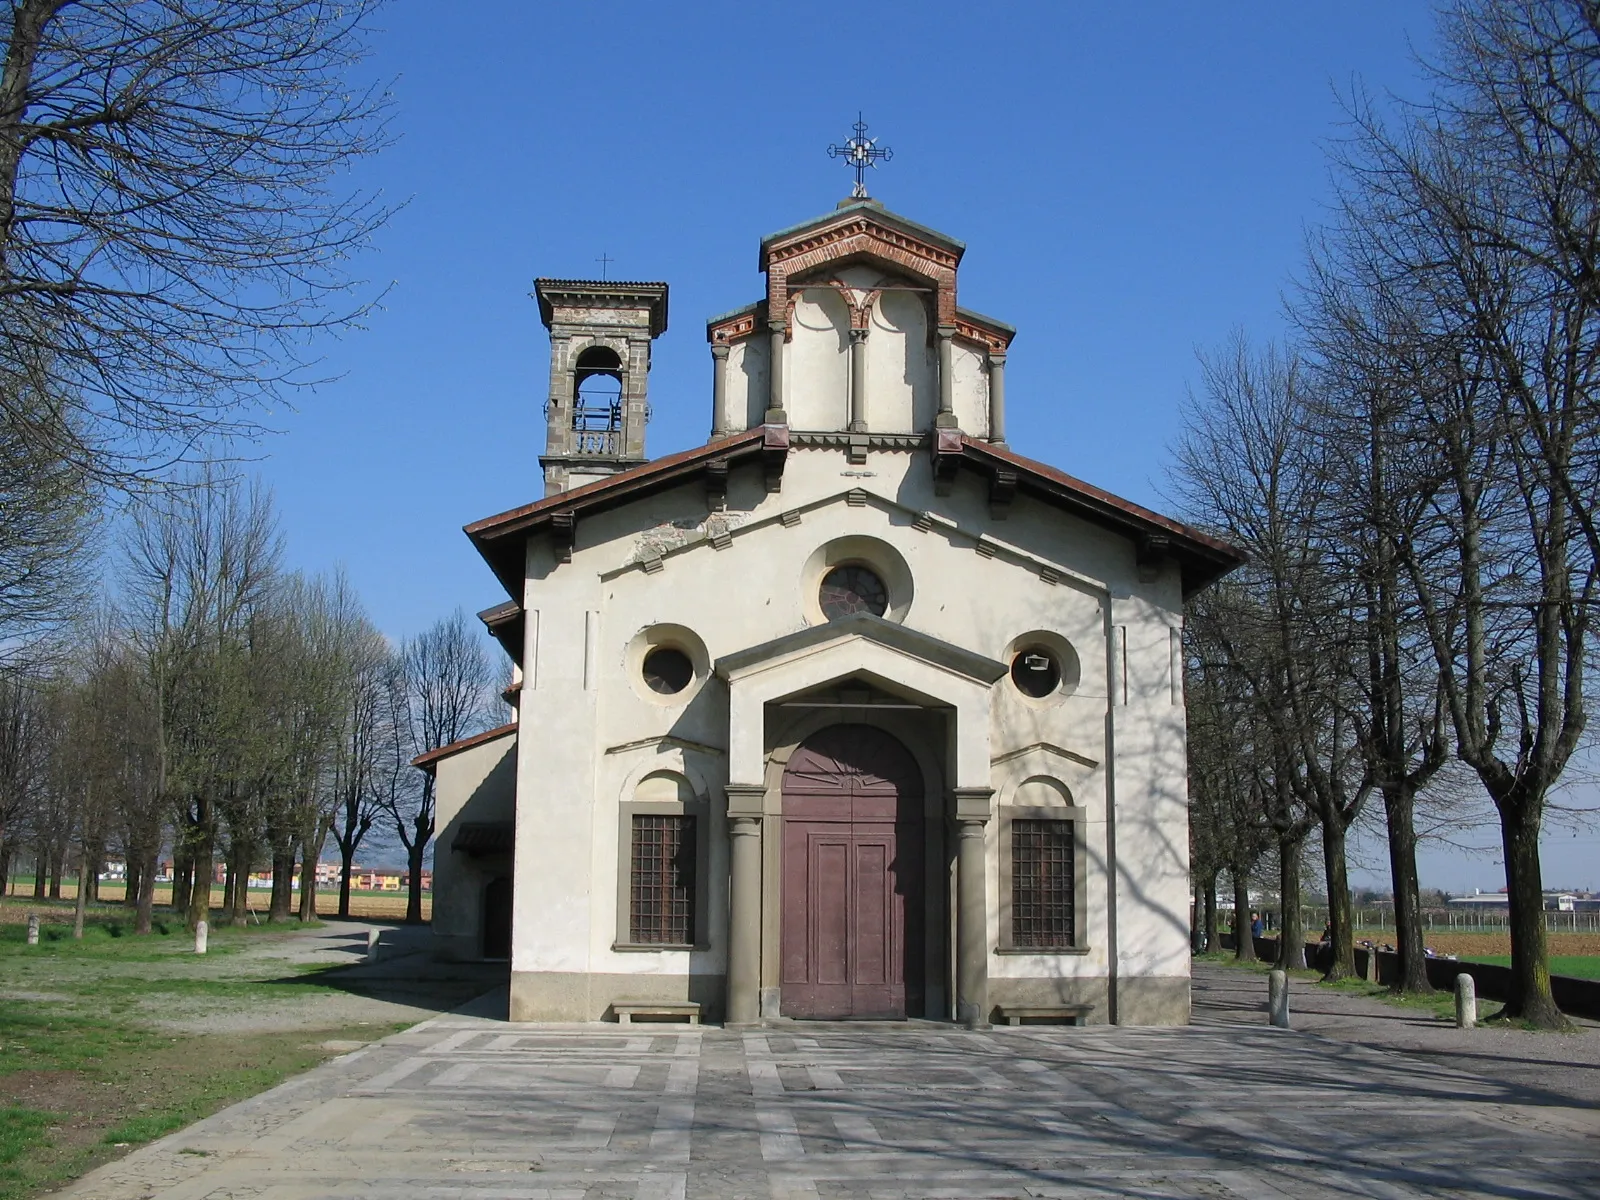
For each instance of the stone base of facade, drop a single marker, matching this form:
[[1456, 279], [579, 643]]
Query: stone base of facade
[[1153, 1000], [1141, 1000], [571, 996], [1039, 993]]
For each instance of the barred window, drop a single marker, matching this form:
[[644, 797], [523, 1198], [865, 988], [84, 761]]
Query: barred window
[[1042, 898], [661, 888]]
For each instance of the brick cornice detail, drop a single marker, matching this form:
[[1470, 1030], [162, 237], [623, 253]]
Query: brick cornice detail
[[993, 340], [866, 238], [741, 325]]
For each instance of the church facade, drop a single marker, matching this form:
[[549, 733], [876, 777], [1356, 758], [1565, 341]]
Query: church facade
[[850, 712]]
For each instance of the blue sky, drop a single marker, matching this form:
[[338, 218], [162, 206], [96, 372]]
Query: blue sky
[[1132, 181]]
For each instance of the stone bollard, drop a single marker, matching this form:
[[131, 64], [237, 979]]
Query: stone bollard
[[201, 932], [1278, 998], [372, 945], [1466, 1002], [33, 929]]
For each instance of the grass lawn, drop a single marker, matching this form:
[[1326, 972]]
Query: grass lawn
[[1440, 1004], [1575, 966], [93, 1054]]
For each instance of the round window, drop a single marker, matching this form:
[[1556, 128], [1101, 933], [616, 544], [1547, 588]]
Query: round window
[[667, 670], [1035, 671], [851, 589]]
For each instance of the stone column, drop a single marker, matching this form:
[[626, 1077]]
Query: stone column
[[997, 397], [744, 902], [719, 390], [775, 411], [858, 381], [947, 383], [972, 933]]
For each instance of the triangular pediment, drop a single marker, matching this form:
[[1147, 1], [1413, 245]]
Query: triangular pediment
[[900, 639]]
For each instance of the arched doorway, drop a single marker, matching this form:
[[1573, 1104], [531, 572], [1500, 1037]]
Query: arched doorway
[[852, 877], [497, 918]]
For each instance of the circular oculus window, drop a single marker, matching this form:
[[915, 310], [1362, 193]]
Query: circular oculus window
[[1035, 671], [667, 670], [850, 589]]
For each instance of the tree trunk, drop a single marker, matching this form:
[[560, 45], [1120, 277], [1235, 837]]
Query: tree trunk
[[182, 881], [58, 866], [82, 901], [1291, 918], [414, 883], [203, 866], [346, 859], [41, 873], [1213, 934], [282, 884], [1399, 806], [308, 881], [5, 868], [1244, 943], [1340, 920], [131, 876], [1530, 964], [230, 879], [147, 890]]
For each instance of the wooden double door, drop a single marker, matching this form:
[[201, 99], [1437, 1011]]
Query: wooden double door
[[853, 877]]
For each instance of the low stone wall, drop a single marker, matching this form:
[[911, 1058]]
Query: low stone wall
[[1575, 997]]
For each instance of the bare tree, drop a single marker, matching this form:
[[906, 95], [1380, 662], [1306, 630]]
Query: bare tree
[[1246, 467], [448, 676], [174, 217], [360, 778], [200, 565], [1474, 219], [48, 510]]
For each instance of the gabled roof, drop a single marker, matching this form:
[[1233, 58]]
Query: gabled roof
[[428, 759], [501, 538], [870, 210], [1202, 558]]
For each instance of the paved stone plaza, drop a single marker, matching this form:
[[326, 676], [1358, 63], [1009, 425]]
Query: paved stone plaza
[[474, 1108]]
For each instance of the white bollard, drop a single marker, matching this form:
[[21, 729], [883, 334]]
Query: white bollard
[[1278, 998], [201, 932], [33, 929], [372, 945], [1466, 1002]]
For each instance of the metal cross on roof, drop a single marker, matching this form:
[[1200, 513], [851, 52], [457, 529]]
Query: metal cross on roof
[[861, 152], [605, 260]]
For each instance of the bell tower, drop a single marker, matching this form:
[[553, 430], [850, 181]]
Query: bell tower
[[600, 335]]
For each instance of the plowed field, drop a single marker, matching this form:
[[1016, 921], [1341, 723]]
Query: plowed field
[[1471, 945]]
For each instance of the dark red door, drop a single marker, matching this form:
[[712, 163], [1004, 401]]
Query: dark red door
[[852, 876]]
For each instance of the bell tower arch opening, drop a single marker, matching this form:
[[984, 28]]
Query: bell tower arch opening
[[598, 406]]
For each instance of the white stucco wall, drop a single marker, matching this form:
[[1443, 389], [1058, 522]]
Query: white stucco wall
[[590, 733], [970, 391]]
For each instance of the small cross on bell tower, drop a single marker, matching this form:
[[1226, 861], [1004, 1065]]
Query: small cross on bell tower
[[862, 153]]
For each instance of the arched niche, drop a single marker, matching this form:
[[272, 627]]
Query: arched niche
[[902, 375], [817, 362]]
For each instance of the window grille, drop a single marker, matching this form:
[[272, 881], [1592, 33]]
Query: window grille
[[661, 890], [1042, 884]]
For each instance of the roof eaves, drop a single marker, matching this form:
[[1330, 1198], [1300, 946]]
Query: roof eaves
[[428, 758]]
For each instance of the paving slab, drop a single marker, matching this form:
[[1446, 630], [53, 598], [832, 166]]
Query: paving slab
[[477, 1108]]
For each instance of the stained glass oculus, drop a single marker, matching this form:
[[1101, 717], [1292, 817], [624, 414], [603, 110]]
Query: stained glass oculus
[[852, 589]]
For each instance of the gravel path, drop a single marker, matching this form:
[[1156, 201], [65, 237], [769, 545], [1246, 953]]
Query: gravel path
[[1564, 1068]]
